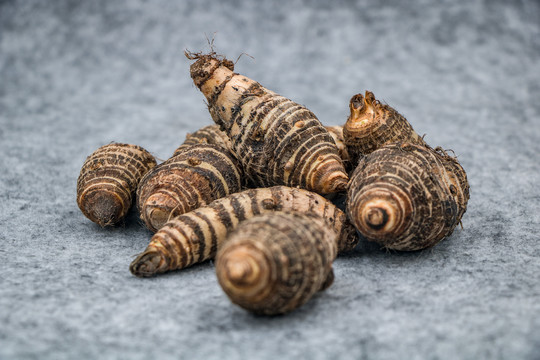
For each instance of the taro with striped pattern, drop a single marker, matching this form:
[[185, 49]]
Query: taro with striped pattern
[[273, 263], [406, 196], [278, 141], [372, 125], [108, 180], [195, 236], [195, 176], [207, 135], [456, 180], [337, 135]]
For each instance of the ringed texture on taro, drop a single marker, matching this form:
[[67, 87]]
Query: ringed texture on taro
[[195, 176], [108, 180], [406, 196], [278, 141], [372, 125], [273, 263], [195, 236]]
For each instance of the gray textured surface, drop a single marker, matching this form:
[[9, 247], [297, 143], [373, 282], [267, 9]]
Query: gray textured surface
[[74, 76]]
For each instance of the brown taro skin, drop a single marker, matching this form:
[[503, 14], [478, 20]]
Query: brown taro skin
[[210, 135], [336, 132], [195, 176], [273, 263], [195, 236], [372, 125], [406, 196], [278, 141], [108, 180], [456, 181]]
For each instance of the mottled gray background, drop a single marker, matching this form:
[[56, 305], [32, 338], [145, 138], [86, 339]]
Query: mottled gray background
[[77, 75]]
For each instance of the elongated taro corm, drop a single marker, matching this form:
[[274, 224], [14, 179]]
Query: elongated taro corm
[[210, 135], [278, 141], [108, 180], [273, 263], [195, 236], [196, 176], [406, 196], [372, 125]]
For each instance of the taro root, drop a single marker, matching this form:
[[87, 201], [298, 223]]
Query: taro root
[[456, 181], [406, 196], [337, 134], [278, 141], [195, 176], [195, 236], [372, 125], [108, 180], [273, 263], [210, 135]]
